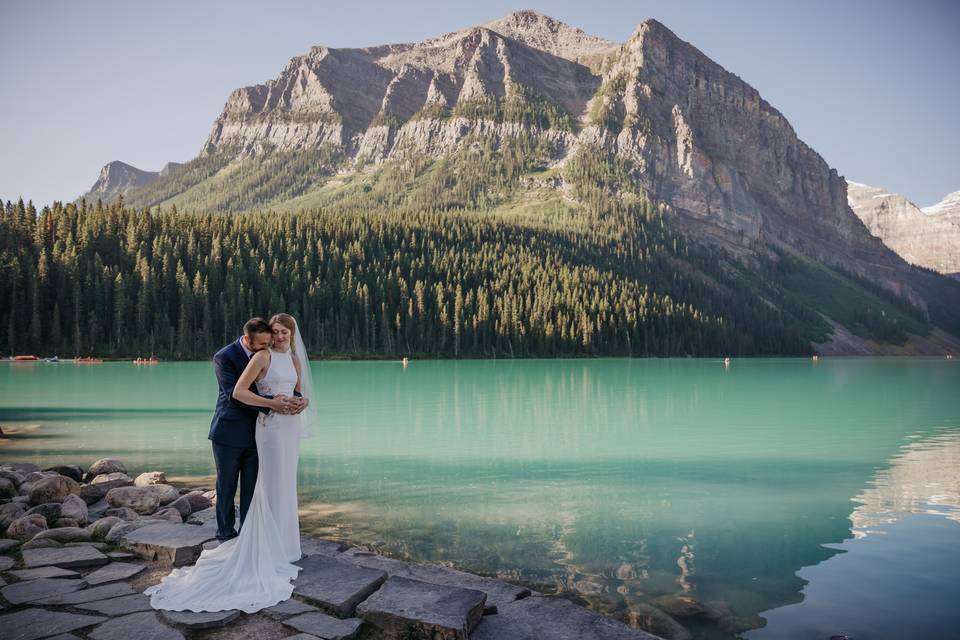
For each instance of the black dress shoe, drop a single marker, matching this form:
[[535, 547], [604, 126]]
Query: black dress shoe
[[229, 537]]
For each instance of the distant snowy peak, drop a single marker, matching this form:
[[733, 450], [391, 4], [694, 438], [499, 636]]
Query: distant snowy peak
[[929, 237], [950, 205]]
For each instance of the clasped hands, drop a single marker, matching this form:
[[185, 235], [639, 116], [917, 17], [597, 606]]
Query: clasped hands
[[288, 405]]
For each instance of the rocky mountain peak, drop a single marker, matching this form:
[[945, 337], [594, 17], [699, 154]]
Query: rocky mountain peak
[[119, 177], [553, 36]]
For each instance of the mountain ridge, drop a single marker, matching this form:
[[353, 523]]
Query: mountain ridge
[[667, 122]]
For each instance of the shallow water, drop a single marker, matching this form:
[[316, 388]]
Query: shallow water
[[806, 496]]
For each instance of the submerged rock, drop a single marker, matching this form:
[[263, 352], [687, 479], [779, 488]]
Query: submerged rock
[[679, 605], [657, 622]]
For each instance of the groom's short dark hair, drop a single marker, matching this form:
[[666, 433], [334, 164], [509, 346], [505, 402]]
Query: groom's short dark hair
[[256, 325]]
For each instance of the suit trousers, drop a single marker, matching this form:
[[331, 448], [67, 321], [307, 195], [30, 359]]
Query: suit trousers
[[234, 464]]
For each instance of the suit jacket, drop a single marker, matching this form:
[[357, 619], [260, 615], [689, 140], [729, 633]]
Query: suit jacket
[[234, 423]]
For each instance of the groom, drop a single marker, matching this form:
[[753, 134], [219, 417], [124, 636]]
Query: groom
[[234, 426]]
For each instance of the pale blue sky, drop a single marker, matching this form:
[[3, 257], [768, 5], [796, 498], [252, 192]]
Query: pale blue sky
[[873, 86]]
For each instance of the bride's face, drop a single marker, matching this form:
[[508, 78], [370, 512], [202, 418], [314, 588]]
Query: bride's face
[[281, 336]]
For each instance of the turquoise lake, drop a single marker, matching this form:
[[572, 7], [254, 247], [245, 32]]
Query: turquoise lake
[[811, 498]]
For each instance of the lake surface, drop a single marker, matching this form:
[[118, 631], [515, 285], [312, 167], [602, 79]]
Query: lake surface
[[811, 498]]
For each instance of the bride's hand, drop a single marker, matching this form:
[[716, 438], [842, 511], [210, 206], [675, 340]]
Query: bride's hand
[[301, 404]]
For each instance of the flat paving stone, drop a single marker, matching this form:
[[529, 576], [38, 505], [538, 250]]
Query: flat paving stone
[[7, 544], [43, 572], [118, 606], [89, 595], [323, 626], [303, 636], [31, 590], [6, 562], [543, 618], [30, 624], [498, 592], [64, 636], [438, 611], [121, 555], [170, 543], [335, 585], [113, 572], [287, 608], [63, 557], [142, 626], [200, 619]]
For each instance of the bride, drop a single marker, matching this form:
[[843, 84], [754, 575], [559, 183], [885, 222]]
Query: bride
[[254, 570]]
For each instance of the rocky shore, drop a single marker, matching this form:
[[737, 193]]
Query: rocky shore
[[80, 547]]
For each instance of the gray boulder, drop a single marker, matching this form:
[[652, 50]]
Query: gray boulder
[[115, 479], [23, 467], [33, 476], [74, 507], [49, 510], [198, 501], [10, 512], [124, 513], [15, 477], [26, 527], [7, 489], [52, 489], [150, 477], [66, 534], [72, 471], [182, 505], [169, 514], [140, 499], [93, 493], [164, 492], [106, 465], [100, 528], [65, 522]]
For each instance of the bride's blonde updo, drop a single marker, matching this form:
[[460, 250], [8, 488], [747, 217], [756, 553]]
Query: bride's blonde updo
[[286, 320]]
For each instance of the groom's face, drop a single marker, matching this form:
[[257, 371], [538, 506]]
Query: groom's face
[[258, 341]]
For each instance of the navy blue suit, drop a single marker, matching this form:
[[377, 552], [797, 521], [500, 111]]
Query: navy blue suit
[[232, 431]]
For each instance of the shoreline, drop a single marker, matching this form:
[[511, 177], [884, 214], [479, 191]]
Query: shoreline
[[80, 541]]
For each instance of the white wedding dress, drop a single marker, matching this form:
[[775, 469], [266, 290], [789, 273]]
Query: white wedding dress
[[252, 571]]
